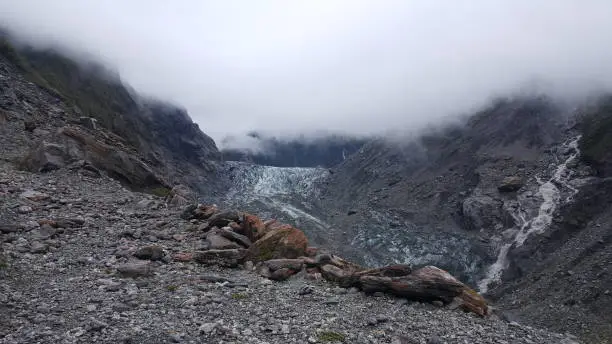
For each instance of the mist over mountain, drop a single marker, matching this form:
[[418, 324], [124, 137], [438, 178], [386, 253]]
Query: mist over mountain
[[322, 151], [349, 67]]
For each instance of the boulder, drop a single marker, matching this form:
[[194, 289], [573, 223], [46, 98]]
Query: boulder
[[182, 257], [6, 228], [277, 264], [374, 284], [234, 226], [35, 196], [180, 196], [282, 242], [86, 169], [69, 222], [46, 157], [252, 227], [217, 241], [510, 184], [397, 270], [223, 218], [427, 284], [152, 252], [227, 258], [229, 234], [203, 212], [135, 270], [263, 270], [281, 274], [188, 212], [335, 274]]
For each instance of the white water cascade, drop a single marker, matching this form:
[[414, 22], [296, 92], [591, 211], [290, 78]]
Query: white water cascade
[[550, 192]]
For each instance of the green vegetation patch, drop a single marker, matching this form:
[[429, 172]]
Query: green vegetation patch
[[239, 296], [160, 192], [331, 336]]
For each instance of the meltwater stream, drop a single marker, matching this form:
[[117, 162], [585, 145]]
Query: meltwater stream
[[550, 193]]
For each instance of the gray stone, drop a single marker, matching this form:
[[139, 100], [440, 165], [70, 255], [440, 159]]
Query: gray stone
[[152, 252], [227, 258], [134, 270], [38, 247]]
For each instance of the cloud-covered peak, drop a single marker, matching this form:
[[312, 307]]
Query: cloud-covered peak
[[357, 67]]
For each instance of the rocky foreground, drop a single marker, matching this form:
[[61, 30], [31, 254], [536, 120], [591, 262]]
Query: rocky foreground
[[85, 260]]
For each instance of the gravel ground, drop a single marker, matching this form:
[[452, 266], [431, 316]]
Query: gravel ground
[[80, 283]]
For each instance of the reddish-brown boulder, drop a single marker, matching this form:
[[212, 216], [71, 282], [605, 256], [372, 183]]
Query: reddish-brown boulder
[[427, 284], [281, 242], [182, 257], [252, 227], [397, 270], [51, 223], [344, 278]]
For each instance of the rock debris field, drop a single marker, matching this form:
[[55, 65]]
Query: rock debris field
[[85, 260]]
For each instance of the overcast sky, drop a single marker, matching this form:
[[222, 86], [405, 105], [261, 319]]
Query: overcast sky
[[339, 65]]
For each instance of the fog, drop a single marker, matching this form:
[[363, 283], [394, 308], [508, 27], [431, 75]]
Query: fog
[[346, 66]]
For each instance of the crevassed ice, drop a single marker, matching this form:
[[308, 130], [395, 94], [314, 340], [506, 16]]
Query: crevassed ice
[[276, 188]]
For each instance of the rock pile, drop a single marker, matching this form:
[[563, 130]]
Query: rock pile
[[279, 251]]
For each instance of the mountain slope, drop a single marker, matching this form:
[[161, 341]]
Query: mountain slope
[[562, 280], [510, 201], [159, 135], [440, 184]]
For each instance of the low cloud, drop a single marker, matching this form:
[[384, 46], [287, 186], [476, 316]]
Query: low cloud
[[347, 66]]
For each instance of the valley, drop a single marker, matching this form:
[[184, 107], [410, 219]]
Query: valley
[[513, 200]]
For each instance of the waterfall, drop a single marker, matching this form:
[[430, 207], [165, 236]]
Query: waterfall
[[550, 193]]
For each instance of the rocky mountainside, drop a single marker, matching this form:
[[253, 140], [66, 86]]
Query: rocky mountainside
[[515, 202], [443, 187], [63, 111], [562, 278]]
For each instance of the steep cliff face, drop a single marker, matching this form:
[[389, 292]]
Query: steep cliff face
[[43, 91]]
